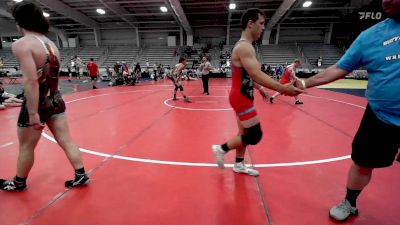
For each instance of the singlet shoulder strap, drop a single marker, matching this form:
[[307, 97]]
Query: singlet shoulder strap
[[44, 46], [49, 50], [53, 68]]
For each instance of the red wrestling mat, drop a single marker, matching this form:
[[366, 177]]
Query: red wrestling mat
[[150, 162]]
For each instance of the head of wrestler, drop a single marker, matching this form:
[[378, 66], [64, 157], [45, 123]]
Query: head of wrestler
[[297, 63], [204, 59], [253, 21], [29, 18], [391, 8], [183, 60]]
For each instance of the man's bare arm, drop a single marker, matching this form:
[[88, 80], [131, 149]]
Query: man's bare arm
[[25, 59], [332, 73], [249, 62]]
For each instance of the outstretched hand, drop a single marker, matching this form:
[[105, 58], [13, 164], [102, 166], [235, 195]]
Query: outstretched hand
[[290, 90], [299, 83]]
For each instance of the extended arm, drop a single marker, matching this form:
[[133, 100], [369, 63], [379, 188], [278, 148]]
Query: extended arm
[[24, 56], [332, 73], [249, 62]]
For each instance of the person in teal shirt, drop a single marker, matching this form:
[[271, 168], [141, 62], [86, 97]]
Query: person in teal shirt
[[377, 141]]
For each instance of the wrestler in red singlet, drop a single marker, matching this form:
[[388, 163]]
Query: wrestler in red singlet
[[241, 96]]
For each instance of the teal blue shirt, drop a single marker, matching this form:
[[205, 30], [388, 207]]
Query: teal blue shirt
[[378, 49]]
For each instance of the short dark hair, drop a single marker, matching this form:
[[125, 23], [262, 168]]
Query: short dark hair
[[30, 17], [91, 59], [251, 14], [181, 59]]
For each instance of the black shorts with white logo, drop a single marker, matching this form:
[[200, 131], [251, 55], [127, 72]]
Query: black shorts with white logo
[[376, 143]]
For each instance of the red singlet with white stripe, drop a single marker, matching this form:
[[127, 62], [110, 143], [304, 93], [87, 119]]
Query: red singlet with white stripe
[[241, 96], [286, 75]]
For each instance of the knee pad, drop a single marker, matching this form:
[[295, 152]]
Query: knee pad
[[252, 135], [180, 87], [176, 88]]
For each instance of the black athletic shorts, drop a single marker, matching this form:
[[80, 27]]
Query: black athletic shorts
[[376, 143], [57, 109]]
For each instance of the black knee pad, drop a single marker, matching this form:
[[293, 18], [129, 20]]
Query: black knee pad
[[180, 87], [252, 135], [176, 88]]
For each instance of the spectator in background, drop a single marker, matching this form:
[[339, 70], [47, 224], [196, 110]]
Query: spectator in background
[[204, 69], [155, 71], [124, 68], [161, 70], [8, 99], [125, 72], [263, 68], [93, 71], [137, 72], [269, 69], [1, 96], [1, 63], [108, 72], [278, 70], [319, 61], [116, 69], [72, 66], [69, 73], [78, 65]]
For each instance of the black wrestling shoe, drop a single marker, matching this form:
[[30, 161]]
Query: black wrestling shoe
[[12, 185], [271, 99], [79, 181], [298, 102]]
